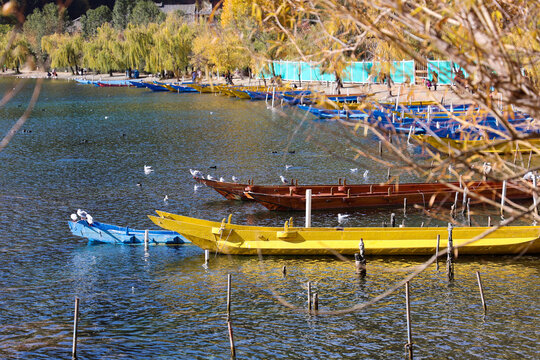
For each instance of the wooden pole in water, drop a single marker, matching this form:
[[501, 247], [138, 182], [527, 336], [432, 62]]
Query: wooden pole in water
[[437, 252], [535, 196], [228, 297], [206, 257], [503, 196], [404, 206], [284, 270], [393, 220], [309, 296], [481, 292], [468, 212], [450, 258], [308, 208], [409, 344], [146, 240], [489, 221], [75, 323], [315, 302], [380, 148], [231, 340]]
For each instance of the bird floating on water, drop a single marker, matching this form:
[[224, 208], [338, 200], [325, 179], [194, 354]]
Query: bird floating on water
[[148, 169], [287, 167], [235, 179], [341, 218], [354, 171], [196, 187], [283, 179], [166, 198], [366, 174], [196, 173]]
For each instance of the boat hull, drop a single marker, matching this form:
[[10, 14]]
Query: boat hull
[[111, 234], [226, 238]]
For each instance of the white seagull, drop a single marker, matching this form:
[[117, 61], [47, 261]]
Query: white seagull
[[486, 168], [89, 219], [341, 218], [287, 167], [221, 179], [196, 173], [196, 187], [283, 179], [235, 179], [148, 169], [74, 217], [210, 177], [354, 171], [366, 174], [166, 198], [82, 214]]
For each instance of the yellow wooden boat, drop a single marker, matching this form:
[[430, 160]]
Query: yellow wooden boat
[[227, 238], [446, 145]]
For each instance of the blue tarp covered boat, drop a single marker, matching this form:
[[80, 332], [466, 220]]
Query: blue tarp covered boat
[[112, 234]]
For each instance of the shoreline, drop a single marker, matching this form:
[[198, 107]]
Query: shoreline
[[379, 91]]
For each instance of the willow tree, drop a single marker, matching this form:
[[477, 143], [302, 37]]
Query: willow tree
[[221, 49], [104, 52], [14, 50], [173, 43], [137, 46], [64, 50]]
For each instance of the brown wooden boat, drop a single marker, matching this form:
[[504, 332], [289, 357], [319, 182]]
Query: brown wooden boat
[[353, 196], [386, 195]]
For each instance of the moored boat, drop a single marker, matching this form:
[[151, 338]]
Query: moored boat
[[226, 238], [111, 234]]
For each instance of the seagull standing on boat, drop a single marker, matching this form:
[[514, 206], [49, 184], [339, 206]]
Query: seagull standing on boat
[[221, 179], [74, 217], [82, 214], [148, 169], [196, 173], [283, 179], [341, 218], [210, 177], [235, 179], [89, 219]]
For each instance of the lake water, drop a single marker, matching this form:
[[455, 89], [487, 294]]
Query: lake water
[[85, 147]]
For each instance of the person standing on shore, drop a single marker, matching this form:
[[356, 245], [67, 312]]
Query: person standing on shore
[[434, 79]]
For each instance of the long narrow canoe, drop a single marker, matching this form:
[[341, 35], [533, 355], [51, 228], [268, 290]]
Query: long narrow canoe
[[446, 145], [226, 238], [347, 198], [343, 195], [111, 234]]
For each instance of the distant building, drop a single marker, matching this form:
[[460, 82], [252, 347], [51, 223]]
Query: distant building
[[190, 8]]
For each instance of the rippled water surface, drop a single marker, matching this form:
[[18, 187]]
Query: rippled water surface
[[85, 147]]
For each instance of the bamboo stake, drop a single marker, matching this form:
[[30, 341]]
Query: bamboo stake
[[437, 252], [503, 196], [409, 344], [146, 240], [309, 296], [231, 340], [75, 324], [308, 208], [228, 297], [481, 292], [450, 258]]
